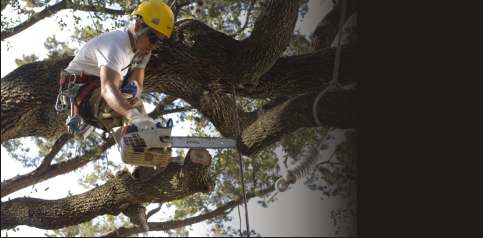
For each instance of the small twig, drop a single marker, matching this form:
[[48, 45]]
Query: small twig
[[178, 109], [285, 162], [154, 211], [158, 110]]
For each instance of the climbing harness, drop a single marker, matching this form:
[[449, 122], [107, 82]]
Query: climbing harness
[[73, 89], [308, 160]]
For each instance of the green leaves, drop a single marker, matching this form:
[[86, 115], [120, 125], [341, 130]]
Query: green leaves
[[57, 49], [293, 143]]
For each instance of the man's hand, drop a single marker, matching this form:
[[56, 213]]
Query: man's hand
[[141, 121]]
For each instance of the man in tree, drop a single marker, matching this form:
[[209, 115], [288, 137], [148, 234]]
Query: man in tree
[[112, 65]]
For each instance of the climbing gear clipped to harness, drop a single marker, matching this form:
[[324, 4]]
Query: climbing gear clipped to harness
[[73, 89], [157, 15]]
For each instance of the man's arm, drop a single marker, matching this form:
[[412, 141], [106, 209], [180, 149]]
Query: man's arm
[[110, 83], [137, 74], [137, 71]]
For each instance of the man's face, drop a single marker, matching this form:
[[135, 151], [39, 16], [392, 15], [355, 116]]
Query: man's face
[[148, 41]]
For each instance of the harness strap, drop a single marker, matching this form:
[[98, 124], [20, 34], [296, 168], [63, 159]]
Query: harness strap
[[90, 82], [84, 92]]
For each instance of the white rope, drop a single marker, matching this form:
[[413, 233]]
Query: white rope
[[307, 161], [334, 83]]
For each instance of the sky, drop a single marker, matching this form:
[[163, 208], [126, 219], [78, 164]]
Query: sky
[[297, 212]]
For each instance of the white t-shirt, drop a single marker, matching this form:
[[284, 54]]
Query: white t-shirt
[[111, 49]]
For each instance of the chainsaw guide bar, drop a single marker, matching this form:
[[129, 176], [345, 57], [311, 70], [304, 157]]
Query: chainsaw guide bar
[[152, 147]]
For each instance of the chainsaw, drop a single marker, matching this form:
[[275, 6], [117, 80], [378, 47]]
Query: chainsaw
[[152, 147]]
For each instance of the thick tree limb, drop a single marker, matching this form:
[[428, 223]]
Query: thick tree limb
[[117, 194], [49, 171], [301, 74], [335, 109], [28, 96], [51, 10], [163, 226], [270, 36]]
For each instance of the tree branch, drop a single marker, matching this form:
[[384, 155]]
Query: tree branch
[[59, 143], [301, 74], [270, 36], [154, 211], [48, 11], [336, 109], [163, 226], [50, 171], [175, 110], [117, 194], [51, 10], [159, 109]]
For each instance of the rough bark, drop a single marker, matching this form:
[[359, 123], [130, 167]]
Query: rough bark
[[336, 109], [112, 198], [302, 74], [28, 96], [269, 39]]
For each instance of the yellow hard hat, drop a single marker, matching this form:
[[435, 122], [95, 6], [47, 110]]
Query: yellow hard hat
[[157, 15]]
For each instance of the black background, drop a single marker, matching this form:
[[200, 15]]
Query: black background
[[420, 129]]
